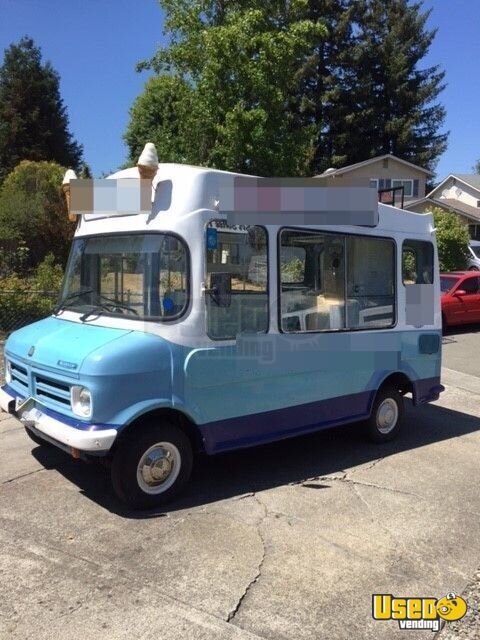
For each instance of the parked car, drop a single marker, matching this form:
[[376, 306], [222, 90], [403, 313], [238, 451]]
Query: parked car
[[474, 257], [460, 298]]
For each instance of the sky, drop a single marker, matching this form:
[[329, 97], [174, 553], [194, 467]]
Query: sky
[[95, 44]]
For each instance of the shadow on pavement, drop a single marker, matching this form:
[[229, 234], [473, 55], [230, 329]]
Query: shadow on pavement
[[461, 329], [289, 461]]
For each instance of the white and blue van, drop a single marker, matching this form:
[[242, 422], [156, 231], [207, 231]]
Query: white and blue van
[[187, 329]]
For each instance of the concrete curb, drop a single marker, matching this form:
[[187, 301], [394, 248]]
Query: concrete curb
[[460, 380]]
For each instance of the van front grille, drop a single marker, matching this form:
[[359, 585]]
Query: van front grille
[[52, 392], [19, 380]]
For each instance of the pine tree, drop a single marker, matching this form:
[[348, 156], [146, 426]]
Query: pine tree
[[33, 117], [388, 100], [321, 95]]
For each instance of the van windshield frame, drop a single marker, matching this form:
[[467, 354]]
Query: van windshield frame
[[134, 275]]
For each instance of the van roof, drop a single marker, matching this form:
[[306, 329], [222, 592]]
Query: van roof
[[178, 190]]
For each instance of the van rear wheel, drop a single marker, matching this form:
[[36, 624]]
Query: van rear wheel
[[151, 465], [387, 415]]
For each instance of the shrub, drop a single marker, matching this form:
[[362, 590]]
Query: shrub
[[33, 211], [26, 299], [452, 240]]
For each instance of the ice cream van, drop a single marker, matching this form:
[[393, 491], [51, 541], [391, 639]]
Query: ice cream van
[[222, 312]]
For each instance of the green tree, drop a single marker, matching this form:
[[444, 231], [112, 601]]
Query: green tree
[[33, 117], [452, 240], [33, 212], [226, 85], [163, 114], [388, 99], [85, 171]]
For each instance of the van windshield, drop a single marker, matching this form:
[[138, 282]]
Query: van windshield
[[141, 276]]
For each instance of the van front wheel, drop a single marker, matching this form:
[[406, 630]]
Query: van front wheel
[[151, 465], [387, 415]]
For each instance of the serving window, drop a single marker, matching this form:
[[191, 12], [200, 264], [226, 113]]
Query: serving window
[[332, 282]]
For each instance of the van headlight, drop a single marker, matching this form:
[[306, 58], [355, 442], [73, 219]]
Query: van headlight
[[8, 371], [81, 401]]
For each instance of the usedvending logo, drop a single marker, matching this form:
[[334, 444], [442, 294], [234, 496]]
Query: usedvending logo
[[418, 613]]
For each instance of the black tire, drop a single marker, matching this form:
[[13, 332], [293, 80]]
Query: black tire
[[36, 439], [374, 431], [132, 448], [474, 269], [444, 324]]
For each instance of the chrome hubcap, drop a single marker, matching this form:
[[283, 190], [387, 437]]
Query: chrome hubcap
[[387, 415], [158, 468]]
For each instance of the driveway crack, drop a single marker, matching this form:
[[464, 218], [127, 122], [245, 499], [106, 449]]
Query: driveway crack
[[23, 475], [255, 579], [347, 480]]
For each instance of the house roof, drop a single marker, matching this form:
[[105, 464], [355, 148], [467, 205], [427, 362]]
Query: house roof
[[449, 203], [470, 179], [357, 165]]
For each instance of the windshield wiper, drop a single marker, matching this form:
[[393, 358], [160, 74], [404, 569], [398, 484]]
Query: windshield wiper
[[108, 306], [71, 296], [114, 303], [96, 310]]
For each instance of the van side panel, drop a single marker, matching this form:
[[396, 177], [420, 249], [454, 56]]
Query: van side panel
[[271, 386]]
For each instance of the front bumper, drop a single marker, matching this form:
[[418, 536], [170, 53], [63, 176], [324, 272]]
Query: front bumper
[[33, 416]]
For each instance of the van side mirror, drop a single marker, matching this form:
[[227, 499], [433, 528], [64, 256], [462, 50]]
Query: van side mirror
[[221, 289]]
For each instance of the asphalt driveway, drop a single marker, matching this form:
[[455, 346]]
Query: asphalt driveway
[[284, 541], [461, 349]]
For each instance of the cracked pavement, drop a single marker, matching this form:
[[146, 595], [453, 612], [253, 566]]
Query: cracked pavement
[[285, 541]]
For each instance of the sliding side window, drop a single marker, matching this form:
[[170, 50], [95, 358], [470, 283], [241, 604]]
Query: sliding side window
[[417, 262], [237, 263], [370, 282], [312, 281]]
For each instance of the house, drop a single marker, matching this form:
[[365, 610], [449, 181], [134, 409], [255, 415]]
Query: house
[[459, 193], [383, 172]]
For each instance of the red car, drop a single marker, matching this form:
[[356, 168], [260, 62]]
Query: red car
[[460, 297]]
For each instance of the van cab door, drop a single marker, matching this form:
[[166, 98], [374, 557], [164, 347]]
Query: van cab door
[[470, 302], [464, 307]]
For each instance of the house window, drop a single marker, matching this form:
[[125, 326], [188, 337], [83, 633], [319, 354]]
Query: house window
[[407, 186], [374, 183], [474, 230]]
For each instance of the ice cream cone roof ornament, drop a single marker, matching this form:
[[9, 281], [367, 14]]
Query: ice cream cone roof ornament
[[148, 162], [69, 175]]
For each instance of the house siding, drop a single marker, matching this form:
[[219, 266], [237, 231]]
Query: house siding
[[395, 171], [456, 190]]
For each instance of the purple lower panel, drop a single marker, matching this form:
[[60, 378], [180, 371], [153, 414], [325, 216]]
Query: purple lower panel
[[247, 431], [427, 390]]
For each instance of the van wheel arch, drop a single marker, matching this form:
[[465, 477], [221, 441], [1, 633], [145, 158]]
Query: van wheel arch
[[399, 380], [171, 416]]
